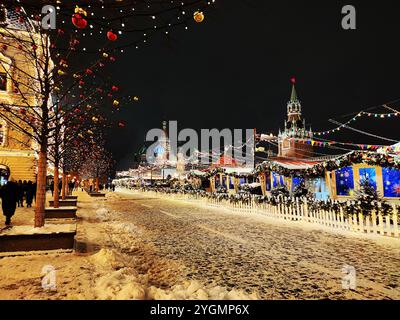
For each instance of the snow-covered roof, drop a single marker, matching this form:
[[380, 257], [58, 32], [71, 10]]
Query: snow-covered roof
[[295, 164], [238, 170]]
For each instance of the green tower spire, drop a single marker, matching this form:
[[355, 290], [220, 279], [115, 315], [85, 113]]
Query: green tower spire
[[293, 97]]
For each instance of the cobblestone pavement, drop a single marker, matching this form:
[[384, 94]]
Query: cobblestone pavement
[[252, 253]]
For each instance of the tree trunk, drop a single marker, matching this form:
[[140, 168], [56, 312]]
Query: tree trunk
[[63, 186], [56, 190], [97, 184], [67, 185], [41, 190]]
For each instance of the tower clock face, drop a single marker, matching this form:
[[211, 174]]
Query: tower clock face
[[286, 144]]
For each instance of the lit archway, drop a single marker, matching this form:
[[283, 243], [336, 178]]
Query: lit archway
[[4, 174]]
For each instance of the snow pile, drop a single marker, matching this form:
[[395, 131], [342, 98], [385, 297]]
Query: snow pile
[[120, 282], [194, 290], [103, 214], [119, 285], [107, 258]]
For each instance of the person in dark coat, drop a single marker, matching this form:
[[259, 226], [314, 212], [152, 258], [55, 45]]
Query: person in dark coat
[[9, 198], [20, 194], [34, 191], [71, 186], [52, 188], [30, 190]]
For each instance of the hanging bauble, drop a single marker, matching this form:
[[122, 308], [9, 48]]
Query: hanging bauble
[[121, 124], [114, 88], [78, 18], [136, 98], [115, 103], [198, 16], [112, 36], [89, 71], [79, 21]]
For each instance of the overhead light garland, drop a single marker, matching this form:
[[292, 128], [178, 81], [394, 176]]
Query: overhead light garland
[[373, 115]]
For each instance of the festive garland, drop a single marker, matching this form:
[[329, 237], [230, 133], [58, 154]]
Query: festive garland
[[318, 170]]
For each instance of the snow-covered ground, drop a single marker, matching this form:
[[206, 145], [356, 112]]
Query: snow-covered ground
[[132, 246]]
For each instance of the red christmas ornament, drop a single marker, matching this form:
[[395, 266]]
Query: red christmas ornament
[[114, 88], [293, 80], [79, 21], [121, 124], [89, 71], [111, 36], [112, 59]]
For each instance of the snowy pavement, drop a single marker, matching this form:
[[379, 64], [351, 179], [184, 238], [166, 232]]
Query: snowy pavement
[[140, 246], [251, 253]]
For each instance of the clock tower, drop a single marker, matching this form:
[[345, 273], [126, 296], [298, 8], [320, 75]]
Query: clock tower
[[294, 133]]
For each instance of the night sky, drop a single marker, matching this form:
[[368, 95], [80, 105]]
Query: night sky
[[233, 70]]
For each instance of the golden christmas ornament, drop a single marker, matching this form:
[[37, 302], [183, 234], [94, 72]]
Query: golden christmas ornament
[[198, 16]]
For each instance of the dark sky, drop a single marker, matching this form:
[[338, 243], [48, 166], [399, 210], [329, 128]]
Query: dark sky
[[233, 70]]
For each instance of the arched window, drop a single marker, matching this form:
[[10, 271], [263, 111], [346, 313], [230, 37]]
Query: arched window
[[3, 15], [5, 69], [3, 81], [3, 133]]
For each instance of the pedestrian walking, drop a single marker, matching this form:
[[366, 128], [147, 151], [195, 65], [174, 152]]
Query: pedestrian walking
[[52, 188], [20, 194], [9, 194], [71, 186], [29, 194]]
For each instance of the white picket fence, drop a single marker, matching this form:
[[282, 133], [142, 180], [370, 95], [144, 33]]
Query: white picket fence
[[375, 223]]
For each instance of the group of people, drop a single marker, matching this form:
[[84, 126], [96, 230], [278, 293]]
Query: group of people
[[13, 194], [72, 186], [107, 187]]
